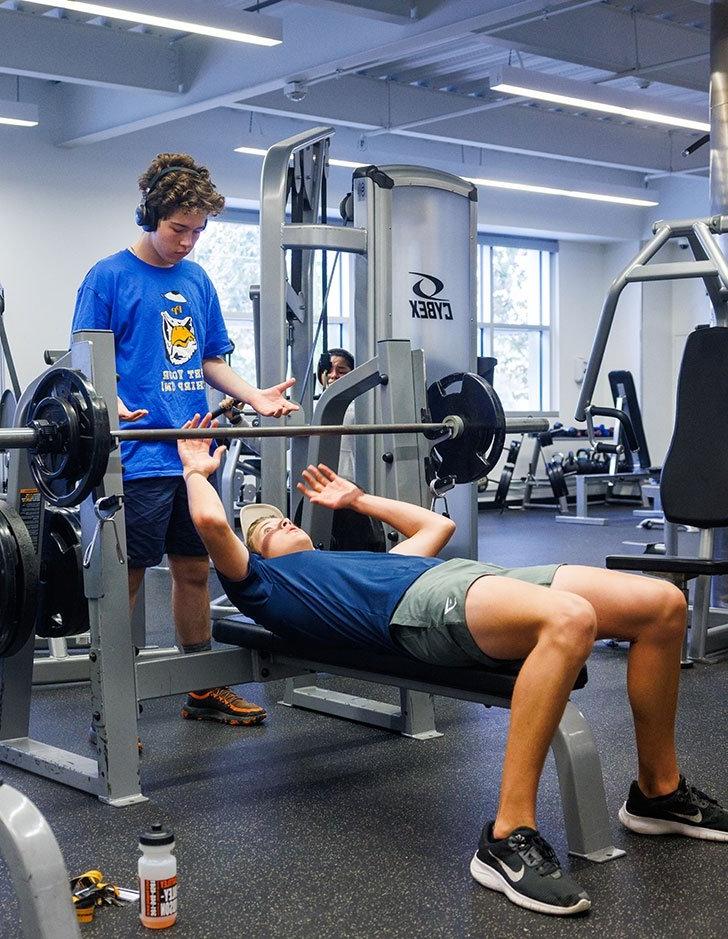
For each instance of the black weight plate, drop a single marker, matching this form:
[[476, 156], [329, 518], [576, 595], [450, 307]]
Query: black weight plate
[[62, 608], [61, 464], [504, 484], [18, 582], [475, 452], [514, 449], [555, 474], [87, 451], [8, 584], [8, 405]]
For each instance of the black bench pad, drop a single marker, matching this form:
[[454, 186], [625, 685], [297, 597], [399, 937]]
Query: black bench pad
[[498, 682], [666, 564]]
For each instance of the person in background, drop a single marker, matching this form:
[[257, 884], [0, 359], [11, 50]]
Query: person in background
[[332, 365], [171, 343]]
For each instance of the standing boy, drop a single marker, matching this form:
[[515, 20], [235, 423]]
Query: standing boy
[[170, 341]]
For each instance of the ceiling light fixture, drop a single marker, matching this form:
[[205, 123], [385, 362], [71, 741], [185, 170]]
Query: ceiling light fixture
[[505, 184], [556, 191], [528, 83], [18, 113], [238, 26]]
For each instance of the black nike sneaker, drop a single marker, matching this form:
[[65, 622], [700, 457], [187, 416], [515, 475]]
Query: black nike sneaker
[[686, 811], [525, 868]]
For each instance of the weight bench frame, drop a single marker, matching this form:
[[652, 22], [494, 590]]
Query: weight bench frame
[[578, 767]]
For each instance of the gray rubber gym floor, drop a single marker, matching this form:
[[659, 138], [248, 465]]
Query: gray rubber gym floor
[[310, 826]]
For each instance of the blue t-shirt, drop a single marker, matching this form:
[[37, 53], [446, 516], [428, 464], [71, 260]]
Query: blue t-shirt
[[166, 321], [334, 598]]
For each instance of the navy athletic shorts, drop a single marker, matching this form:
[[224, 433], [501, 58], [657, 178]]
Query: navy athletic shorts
[[158, 521]]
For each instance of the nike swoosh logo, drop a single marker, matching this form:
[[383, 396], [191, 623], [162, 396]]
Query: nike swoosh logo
[[450, 604], [697, 817], [513, 876]]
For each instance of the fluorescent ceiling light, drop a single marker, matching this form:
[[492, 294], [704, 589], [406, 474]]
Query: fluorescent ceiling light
[[251, 151], [505, 184], [555, 191], [18, 113], [528, 83], [180, 15]]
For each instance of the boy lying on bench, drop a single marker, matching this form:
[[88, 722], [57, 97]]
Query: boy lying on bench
[[461, 612]]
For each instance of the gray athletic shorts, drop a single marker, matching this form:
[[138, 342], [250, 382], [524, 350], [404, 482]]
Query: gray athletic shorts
[[429, 621]]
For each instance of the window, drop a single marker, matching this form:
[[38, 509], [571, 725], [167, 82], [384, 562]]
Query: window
[[230, 253], [514, 318], [338, 303], [514, 304]]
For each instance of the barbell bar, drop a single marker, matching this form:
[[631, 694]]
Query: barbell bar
[[451, 427], [69, 438]]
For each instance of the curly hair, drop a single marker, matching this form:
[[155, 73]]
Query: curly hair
[[189, 192]]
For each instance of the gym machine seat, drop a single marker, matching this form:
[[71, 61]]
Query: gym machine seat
[[577, 761], [694, 483]]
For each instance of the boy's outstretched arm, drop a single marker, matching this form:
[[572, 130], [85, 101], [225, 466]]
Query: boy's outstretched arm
[[228, 553], [426, 532]]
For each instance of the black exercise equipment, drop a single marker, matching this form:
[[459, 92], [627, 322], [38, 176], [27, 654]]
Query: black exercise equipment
[[694, 483], [555, 473], [7, 408], [18, 582], [471, 454], [352, 531], [623, 389], [504, 483], [62, 607], [72, 443]]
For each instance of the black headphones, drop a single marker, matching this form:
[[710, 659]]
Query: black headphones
[[146, 216]]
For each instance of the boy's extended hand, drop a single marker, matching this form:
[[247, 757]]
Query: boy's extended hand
[[271, 402], [324, 487], [195, 454]]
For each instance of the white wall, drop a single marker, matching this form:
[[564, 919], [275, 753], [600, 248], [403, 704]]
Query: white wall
[[63, 209], [585, 272]]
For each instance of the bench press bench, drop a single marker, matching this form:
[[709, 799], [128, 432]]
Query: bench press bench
[[577, 761]]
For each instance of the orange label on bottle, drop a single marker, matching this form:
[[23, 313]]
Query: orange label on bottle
[[158, 898]]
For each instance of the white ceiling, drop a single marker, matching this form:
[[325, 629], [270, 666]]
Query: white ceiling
[[387, 71]]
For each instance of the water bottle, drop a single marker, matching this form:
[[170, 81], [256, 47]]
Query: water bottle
[[157, 878]]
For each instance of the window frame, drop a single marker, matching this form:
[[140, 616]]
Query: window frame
[[487, 329], [341, 325]]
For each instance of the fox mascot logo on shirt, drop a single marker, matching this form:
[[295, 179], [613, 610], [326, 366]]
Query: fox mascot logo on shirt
[[179, 331]]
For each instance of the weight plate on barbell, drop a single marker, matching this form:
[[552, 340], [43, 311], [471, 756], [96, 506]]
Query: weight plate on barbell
[[477, 449], [7, 408], [18, 582], [66, 478], [62, 608]]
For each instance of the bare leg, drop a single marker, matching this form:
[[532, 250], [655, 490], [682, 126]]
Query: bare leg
[[190, 598], [191, 610], [136, 576], [554, 632], [651, 614]]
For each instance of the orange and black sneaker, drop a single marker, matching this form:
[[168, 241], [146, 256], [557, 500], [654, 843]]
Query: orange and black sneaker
[[222, 704]]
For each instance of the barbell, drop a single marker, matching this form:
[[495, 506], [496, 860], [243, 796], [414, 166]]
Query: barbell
[[69, 438]]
